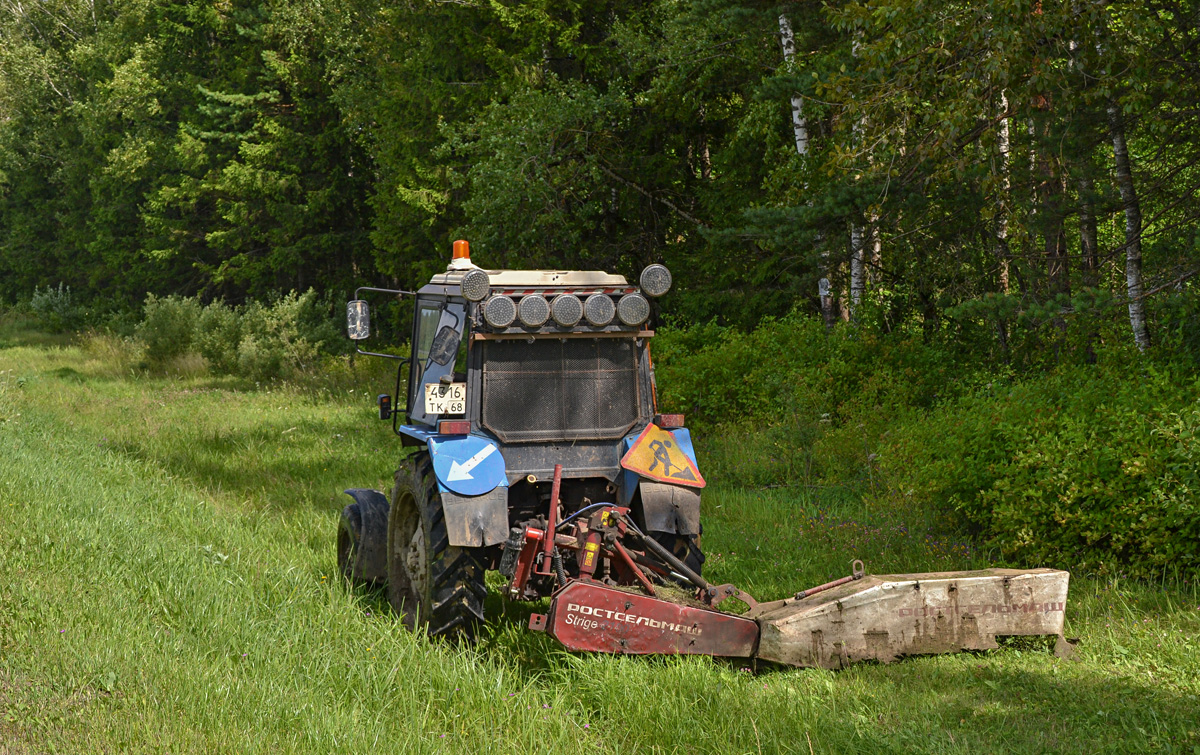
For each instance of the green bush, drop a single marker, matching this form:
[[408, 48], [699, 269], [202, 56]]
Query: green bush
[[285, 337], [1087, 466], [815, 402], [259, 359], [791, 365], [56, 309], [168, 327], [1094, 468], [262, 342], [218, 336]]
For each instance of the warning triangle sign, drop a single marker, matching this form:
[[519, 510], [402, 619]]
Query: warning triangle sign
[[656, 454]]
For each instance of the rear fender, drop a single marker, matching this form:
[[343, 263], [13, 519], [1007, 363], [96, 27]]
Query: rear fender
[[473, 521], [473, 483], [670, 508], [372, 538]]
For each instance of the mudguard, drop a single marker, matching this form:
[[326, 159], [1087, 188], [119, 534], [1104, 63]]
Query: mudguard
[[372, 536], [667, 508], [670, 508], [472, 521], [471, 478]]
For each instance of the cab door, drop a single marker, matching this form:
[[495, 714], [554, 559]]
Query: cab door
[[439, 328]]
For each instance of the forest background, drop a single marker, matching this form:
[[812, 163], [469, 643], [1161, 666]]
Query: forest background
[[942, 252]]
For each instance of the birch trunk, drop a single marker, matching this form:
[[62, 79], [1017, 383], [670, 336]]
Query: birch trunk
[[799, 124], [857, 271], [800, 131], [1002, 146], [1133, 230]]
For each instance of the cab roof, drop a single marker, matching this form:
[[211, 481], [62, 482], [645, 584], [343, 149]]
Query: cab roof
[[536, 278]]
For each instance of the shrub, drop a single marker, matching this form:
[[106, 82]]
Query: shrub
[[286, 337], [168, 328], [262, 342], [56, 308], [1093, 467], [260, 359], [218, 336], [1096, 468], [829, 396]]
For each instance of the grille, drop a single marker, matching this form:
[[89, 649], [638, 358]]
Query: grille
[[560, 390]]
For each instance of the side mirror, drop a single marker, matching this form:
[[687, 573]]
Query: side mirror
[[445, 345], [358, 320]]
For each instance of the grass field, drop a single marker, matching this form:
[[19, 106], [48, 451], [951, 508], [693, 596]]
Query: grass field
[[167, 584]]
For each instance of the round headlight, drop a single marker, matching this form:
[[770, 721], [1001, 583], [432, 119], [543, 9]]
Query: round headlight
[[533, 310], [633, 309], [598, 309], [499, 311], [566, 309], [655, 280], [476, 285]]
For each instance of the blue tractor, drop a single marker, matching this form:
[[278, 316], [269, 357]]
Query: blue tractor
[[529, 400]]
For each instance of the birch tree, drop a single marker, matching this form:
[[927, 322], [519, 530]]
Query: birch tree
[[1132, 208], [787, 40]]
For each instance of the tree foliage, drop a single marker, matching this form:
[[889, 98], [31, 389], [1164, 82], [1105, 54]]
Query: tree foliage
[[960, 154]]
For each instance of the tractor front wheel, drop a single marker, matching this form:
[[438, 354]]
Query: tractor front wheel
[[431, 584]]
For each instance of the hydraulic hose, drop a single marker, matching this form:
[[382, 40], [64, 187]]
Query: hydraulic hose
[[670, 558]]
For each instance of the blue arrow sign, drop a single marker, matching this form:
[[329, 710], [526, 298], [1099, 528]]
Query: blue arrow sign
[[468, 465]]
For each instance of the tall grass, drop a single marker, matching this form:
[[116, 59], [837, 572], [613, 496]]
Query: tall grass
[[167, 584]]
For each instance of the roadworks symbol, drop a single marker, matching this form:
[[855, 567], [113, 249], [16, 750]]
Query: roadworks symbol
[[656, 454]]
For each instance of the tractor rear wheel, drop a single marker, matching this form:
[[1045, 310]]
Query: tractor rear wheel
[[431, 584]]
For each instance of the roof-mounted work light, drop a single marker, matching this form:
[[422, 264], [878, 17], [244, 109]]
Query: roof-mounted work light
[[655, 280]]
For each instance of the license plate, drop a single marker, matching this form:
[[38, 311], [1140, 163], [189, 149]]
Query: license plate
[[445, 399]]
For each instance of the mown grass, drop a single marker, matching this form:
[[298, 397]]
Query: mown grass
[[167, 584]]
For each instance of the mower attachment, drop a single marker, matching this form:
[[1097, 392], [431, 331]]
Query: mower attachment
[[877, 618], [883, 617], [610, 602]]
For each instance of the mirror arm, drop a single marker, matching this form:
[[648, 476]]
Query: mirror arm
[[358, 295], [360, 289], [377, 354]]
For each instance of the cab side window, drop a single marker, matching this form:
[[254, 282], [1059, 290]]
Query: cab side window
[[428, 316]]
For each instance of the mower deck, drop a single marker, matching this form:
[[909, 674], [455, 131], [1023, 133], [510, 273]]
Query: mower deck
[[872, 618], [886, 616], [611, 605]]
